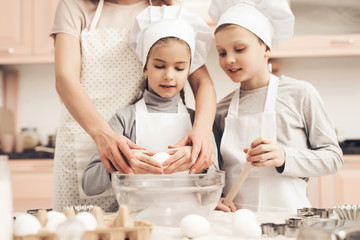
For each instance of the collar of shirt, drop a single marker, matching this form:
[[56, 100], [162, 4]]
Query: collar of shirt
[[156, 103]]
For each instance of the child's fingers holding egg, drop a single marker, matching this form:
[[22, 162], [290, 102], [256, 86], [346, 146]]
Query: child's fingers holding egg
[[143, 164], [178, 166], [176, 156], [146, 156], [150, 161]]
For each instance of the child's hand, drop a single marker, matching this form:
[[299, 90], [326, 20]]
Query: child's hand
[[179, 161], [221, 206], [264, 152], [143, 163]]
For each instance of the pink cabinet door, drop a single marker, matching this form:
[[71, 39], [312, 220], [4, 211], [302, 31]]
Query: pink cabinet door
[[44, 12], [32, 183], [318, 46], [25, 26], [15, 25], [339, 188], [347, 184]]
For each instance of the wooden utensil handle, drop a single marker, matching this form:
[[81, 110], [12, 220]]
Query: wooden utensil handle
[[239, 181]]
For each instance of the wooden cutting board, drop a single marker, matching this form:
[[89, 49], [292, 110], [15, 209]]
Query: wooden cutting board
[[11, 92], [7, 124]]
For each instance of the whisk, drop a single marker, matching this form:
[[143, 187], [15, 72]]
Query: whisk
[[79, 208], [348, 212]]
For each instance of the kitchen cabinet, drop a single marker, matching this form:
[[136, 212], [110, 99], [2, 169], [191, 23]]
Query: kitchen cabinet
[[25, 26], [323, 28], [339, 188], [319, 46], [32, 183]]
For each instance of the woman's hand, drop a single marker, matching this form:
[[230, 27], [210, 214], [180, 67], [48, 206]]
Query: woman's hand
[[143, 163], [115, 151], [179, 161], [205, 105], [221, 206], [265, 152], [202, 153]]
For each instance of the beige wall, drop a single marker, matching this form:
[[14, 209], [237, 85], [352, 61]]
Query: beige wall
[[38, 104]]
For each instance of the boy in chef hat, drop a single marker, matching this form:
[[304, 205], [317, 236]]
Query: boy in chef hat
[[281, 125], [171, 43]]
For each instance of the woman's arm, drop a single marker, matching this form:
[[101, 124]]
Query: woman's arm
[[205, 106], [80, 106]]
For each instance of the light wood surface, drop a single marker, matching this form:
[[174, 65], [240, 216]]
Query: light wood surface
[[32, 183], [339, 188], [237, 185], [11, 96]]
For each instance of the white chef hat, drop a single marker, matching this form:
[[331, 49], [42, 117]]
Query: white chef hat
[[271, 20], [155, 23]]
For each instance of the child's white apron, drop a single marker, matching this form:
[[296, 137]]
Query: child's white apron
[[156, 131], [111, 75], [264, 189]]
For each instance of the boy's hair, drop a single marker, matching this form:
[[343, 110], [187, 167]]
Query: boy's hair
[[226, 25]]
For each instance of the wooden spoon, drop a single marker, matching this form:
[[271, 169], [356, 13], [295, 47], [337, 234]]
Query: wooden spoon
[[239, 181]]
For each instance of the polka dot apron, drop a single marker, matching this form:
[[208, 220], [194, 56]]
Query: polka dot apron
[[111, 74]]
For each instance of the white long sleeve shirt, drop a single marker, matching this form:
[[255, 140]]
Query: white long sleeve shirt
[[303, 127]]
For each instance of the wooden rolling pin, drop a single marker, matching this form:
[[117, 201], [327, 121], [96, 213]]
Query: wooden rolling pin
[[239, 181]]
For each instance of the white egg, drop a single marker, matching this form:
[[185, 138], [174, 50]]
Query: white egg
[[245, 224], [88, 220], [160, 157], [26, 224], [193, 226], [70, 229], [54, 218], [244, 214]]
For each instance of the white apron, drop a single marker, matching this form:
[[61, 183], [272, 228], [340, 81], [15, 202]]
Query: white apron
[[264, 189], [111, 75], [156, 131]]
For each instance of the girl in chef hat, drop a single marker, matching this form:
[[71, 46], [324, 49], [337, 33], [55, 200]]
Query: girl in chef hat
[[171, 44], [280, 123]]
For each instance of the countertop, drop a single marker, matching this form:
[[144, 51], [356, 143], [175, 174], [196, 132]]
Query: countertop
[[221, 227], [221, 223], [29, 154]]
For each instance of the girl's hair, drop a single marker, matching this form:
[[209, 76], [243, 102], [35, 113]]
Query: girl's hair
[[165, 2], [166, 41], [226, 25]]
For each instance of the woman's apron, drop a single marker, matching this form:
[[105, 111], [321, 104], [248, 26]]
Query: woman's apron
[[111, 75], [156, 131], [264, 189]]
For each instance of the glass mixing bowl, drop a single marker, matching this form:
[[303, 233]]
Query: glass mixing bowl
[[165, 199]]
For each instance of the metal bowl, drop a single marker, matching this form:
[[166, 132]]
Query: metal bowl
[[165, 199]]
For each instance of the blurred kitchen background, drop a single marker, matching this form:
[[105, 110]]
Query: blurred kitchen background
[[325, 51]]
